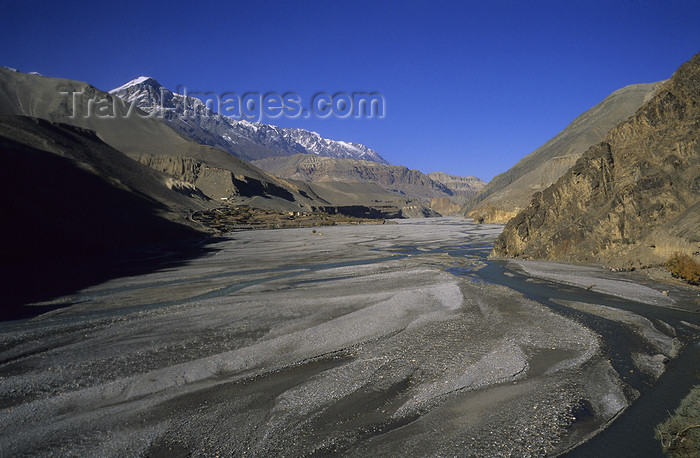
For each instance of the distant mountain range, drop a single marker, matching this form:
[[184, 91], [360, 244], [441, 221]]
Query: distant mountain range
[[295, 154], [637, 192], [52, 150], [631, 200], [511, 191], [249, 141], [393, 178], [148, 140]]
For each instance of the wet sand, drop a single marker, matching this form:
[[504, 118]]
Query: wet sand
[[360, 340]]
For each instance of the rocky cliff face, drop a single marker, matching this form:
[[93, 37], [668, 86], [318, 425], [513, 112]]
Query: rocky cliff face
[[511, 191], [629, 200], [445, 206], [462, 188], [217, 183]]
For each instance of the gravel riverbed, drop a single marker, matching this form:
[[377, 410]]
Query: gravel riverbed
[[359, 340]]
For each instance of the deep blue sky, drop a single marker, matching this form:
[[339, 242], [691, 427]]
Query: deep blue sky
[[471, 87]]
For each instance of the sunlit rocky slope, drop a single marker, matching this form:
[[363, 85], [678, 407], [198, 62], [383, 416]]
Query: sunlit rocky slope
[[511, 191], [393, 178], [630, 200]]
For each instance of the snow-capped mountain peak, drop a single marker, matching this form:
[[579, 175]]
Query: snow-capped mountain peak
[[141, 80], [247, 140]]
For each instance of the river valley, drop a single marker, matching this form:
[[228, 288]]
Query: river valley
[[385, 340]]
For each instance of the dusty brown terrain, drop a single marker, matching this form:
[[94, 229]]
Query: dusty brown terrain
[[511, 191], [631, 200], [462, 188], [392, 178], [445, 206], [228, 218]]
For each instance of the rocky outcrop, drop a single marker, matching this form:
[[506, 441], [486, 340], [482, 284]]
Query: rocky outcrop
[[445, 206], [511, 191], [630, 200], [461, 187], [418, 211], [217, 183], [491, 214]]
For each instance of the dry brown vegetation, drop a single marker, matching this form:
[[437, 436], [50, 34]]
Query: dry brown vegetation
[[680, 433], [237, 217], [683, 266]]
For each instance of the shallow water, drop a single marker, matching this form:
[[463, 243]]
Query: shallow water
[[632, 434], [398, 339]]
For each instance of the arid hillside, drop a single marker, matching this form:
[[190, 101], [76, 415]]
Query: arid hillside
[[147, 139], [632, 199], [511, 191], [392, 178]]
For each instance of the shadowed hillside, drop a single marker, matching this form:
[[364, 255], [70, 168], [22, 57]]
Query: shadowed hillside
[[145, 138], [74, 201]]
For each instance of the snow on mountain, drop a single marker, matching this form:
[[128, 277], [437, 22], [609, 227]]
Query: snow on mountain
[[134, 82], [247, 140]]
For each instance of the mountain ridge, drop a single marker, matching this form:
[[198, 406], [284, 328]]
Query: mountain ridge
[[510, 191], [247, 140], [393, 178], [147, 139], [220, 176], [629, 201]]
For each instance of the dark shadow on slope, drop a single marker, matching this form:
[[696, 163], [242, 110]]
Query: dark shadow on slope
[[45, 280], [65, 228], [250, 187]]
